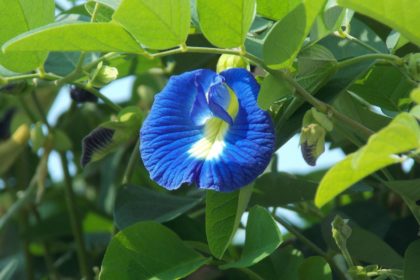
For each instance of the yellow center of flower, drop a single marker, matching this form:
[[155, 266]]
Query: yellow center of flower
[[212, 144]]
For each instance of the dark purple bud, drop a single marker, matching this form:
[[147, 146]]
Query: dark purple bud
[[81, 95]]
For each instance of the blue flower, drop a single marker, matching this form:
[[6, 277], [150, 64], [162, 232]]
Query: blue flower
[[206, 128]]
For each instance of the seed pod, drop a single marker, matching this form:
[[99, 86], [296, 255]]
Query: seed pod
[[81, 95], [227, 61]]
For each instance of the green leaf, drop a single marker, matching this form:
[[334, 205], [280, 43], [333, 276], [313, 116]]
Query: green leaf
[[226, 23], [136, 204], [410, 192], [223, 214], [411, 261], [148, 250], [287, 35], [368, 247], [17, 17], [401, 135], [274, 9], [383, 86], [284, 263], [315, 268], [262, 238], [8, 271], [273, 89], [157, 24], [103, 12], [75, 36], [402, 16], [415, 95], [276, 189]]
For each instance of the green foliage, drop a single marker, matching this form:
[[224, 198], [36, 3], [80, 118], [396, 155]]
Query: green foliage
[[226, 23], [223, 215], [20, 16], [164, 23], [411, 268], [76, 201], [401, 135], [262, 238], [402, 15], [148, 250], [61, 37]]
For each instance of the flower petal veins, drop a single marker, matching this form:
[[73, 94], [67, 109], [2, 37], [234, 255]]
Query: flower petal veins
[[206, 128]]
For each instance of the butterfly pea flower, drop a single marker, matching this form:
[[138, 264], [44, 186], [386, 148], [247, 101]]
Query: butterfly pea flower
[[207, 129]]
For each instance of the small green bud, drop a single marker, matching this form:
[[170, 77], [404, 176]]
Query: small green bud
[[415, 95], [37, 137], [227, 61], [3, 81], [312, 140], [412, 64], [103, 75]]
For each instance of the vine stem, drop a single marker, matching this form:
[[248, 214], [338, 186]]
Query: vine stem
[[75, 220], [310, 244], [131, 163], [372, 56], [71, 203]]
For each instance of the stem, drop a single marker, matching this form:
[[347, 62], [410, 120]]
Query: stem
[[71, 204], [310, 244], [105, 99], [75, 220], [47, 256], [321, 106], [24, 199], [131, 163], [358, 41], [387, 57]]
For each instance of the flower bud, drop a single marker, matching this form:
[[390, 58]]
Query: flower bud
[[81, 95], [227, 61], [312, 140], [103, 75], [412, 64]]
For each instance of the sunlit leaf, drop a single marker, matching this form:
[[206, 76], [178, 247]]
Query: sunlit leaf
[[157, 24], [226, 23], [262, 238], [223, 214], [401, 135], [17, 17], [75, 36], [401, 15]]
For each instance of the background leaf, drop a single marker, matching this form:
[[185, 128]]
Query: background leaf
[[226, 23], [315, 268], [402, 15], [148, 250], [262, 238], [157, 24], [75, 36], [136, 204], [17, 17], [223, 214], [412, 260], [401, 135]]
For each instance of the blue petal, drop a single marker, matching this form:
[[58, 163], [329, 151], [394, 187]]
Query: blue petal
[[175, 124], [169, 131], [249, 141]]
